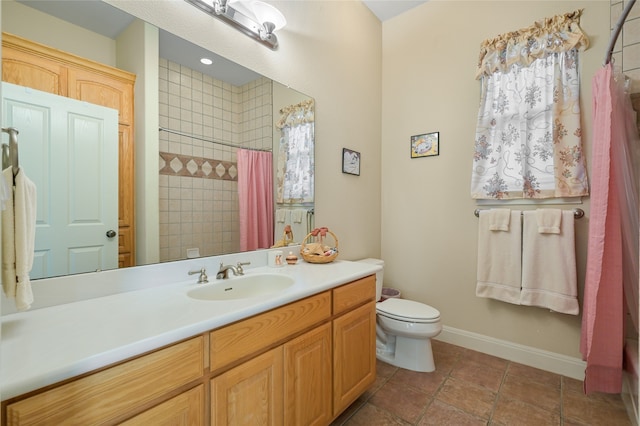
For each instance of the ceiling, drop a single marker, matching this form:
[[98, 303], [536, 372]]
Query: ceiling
[[109, 21], [387, 9]]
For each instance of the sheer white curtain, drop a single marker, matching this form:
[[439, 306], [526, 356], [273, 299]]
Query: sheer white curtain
[[528, 136], [295, 167]]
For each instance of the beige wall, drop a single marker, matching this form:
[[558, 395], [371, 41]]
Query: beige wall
[[429, 232], [38, 26]]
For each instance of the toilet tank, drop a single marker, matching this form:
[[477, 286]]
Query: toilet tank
[[379, 275]]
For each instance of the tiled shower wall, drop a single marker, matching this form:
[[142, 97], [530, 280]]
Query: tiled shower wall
[[198, 178], [627, 49]]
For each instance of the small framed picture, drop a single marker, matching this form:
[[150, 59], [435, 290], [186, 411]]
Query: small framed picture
[[425, 145], [350, 162]]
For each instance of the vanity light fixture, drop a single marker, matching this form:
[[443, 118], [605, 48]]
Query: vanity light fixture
[[255, 18]]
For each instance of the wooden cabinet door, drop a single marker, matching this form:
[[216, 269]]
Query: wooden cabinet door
[[354, 355], [25, 68], [307, 378], [251, 393], [186, 409]]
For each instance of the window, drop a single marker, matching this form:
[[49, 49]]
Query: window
[[295, 168], [528, 137]]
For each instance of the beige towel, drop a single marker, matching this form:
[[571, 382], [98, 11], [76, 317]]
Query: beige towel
[[18, 240], [499, 258], [549, 220], [280, 215], [298, 215], [499, 219], [549, 266], [9, 281]]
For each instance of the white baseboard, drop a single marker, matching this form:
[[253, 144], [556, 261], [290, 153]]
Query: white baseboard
[[629, 397], [533, 357]]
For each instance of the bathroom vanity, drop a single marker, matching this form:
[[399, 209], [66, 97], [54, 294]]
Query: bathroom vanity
[[299, 356]]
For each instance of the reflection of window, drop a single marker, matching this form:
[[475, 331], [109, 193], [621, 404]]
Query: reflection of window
[[295, 168], [528, 137]]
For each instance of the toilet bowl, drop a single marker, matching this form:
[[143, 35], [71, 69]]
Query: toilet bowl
[[404, 329]]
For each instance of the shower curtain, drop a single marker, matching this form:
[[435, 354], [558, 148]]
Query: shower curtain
[[255, 199], [612, 257]]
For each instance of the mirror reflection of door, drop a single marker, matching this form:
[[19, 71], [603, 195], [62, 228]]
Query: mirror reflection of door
[[72, 157]]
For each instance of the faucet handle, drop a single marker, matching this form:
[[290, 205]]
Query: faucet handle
[[203, 275], [239, 267]]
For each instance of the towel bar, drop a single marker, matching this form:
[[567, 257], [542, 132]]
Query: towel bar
[[577, 213]]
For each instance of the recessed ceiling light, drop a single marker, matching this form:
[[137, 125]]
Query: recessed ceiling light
[[206, 61]]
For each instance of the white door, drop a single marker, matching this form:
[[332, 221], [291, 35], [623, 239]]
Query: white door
[[69, 149]]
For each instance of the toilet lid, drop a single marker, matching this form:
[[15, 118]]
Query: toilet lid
[[408, 310]]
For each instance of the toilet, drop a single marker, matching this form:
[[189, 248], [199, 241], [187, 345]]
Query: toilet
[[404, 329]]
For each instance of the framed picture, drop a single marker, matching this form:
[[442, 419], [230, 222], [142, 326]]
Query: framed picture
[[425, 145], [350, 162]]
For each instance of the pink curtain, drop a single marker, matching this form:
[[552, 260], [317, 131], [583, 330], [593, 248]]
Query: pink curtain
[[603, 314], [255, 199], [626, 166]]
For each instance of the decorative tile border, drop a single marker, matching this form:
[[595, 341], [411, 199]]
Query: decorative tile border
[[197, 167]]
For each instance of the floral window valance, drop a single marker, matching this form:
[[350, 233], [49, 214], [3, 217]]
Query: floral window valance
[[558, 34], [295, 166], [296, 114], [528, 137]]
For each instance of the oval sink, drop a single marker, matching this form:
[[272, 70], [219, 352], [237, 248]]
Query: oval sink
[[242, 287]]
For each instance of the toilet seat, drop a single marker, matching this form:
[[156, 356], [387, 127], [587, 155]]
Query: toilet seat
[[408, 311]]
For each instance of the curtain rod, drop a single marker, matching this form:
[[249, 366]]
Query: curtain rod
[[176, 132], [616, 31], [577, 213]]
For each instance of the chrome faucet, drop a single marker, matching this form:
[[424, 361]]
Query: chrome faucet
[[203, 275], [223, 272]]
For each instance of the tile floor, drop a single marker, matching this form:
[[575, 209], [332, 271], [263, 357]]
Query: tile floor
[[472, 388]]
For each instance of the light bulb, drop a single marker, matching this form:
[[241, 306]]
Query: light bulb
[[268, 13]]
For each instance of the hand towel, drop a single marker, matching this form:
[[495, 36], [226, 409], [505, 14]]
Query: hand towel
[[549, 266], [285, 215], [297, 215], [18, 239], [499, 219], [499, 257], [549, 220], [9, 281], [25, 236], [6, 193]]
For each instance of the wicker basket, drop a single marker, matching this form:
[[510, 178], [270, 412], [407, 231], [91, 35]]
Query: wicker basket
[[315, 240]]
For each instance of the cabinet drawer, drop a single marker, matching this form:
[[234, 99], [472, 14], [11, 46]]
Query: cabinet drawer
[[246, 337], [353, 294], [186, 409], [108, 394]]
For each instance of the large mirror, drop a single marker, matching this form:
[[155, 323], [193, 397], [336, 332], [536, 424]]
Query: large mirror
[[190, 121]]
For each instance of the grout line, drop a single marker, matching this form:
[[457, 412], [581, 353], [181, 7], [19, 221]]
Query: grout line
[[495, 401], [562, 385]]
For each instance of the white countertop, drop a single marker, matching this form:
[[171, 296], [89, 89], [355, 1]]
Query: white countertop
[[47, 345]]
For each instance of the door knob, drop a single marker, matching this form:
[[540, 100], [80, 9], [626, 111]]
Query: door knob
[[111, 233]]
